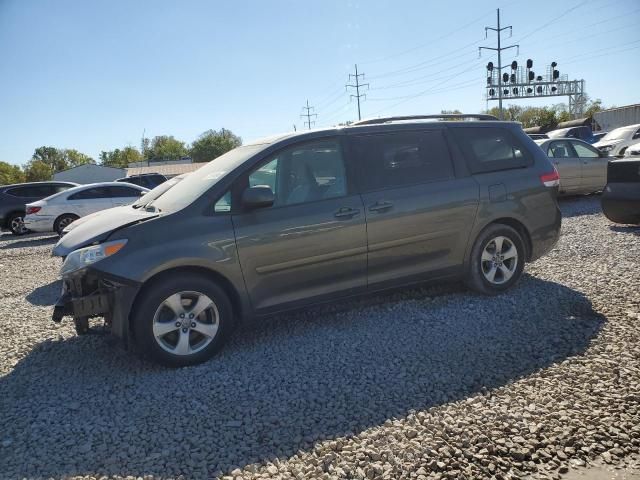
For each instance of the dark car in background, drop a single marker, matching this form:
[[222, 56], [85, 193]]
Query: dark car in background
[[621, 196], [145, 180], [13, 199], [313, 217], [583, 133]]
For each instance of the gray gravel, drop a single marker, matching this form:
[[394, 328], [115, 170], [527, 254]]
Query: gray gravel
[[425, 383]]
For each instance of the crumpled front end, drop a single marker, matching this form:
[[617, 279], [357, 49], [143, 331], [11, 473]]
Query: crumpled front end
[[89, 293]]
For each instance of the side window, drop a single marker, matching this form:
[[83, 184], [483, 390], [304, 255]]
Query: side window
[[224, 204], [560, 150], [489, 149], [637, 134], [91, 193], [585, 152], [402, 158], [25, 192], [123, 192], [60, 188], [304, 173]]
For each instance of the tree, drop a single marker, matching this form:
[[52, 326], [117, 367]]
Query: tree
[[75, 158], [165, 147], [120, 158], [37, 171], [10, 174], [211, 144], [52, 157]]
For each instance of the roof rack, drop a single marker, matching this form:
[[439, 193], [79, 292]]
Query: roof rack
[[442, 116]]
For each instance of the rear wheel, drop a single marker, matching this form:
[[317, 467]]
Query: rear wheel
[[182, 321], [16, 224], [63, 221], [497, 260]]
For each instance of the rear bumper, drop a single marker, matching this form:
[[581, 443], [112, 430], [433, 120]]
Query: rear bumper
[[91, 293], [39, 224], [621, 202], [544, 238]]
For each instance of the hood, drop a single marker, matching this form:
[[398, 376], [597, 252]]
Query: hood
[[97, 228], [604, 143]]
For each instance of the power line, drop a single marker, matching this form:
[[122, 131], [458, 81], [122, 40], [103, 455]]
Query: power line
[[309, 122], [357, 87], [499, 49]]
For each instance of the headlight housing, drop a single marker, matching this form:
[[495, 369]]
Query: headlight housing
[[84, 257], [606, 148]]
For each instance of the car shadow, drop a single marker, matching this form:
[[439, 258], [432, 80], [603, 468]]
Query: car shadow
[[46, 294], [281, 384], [633, 229], [573, 206], [29, 241]]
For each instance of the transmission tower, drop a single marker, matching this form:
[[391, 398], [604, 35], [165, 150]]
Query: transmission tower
[[308, 114], [357, 86], [499, 49]]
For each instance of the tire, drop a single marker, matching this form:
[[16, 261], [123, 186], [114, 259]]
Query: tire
[[82, 325], [506, 270], [63, 221], [15, 223], [162, 326]]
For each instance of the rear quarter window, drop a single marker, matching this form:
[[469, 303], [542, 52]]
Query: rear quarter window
[[490, 149]]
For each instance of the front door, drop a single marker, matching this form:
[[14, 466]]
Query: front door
[[561, 153], [418, 214], [311, 243], [89, 201], [594, 167]]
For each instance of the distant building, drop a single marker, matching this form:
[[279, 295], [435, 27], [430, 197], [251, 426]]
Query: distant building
[[613, 118], [89, 173], [168, 169]]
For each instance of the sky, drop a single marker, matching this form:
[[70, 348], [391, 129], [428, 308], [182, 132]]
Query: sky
[[96, 75]]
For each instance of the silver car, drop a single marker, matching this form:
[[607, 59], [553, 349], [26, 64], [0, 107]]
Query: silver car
[[582, 167]]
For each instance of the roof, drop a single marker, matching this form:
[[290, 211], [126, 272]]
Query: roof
[[47, 182], [170, 170], [87, 186], [93, 165]]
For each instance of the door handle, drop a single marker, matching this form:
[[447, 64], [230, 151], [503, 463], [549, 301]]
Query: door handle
[[380, 206], [346, 212]]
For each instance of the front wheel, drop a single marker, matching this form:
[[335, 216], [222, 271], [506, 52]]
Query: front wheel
[[182, 321], [497, 260]]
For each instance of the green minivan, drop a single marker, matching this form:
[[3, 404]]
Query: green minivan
[[312, 217]]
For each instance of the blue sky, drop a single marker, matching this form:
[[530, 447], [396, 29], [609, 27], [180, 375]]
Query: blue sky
[[93, 75]]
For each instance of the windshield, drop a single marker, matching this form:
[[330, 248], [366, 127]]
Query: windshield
[[198, 182], [618, 133], [156, 192], [558, 133]]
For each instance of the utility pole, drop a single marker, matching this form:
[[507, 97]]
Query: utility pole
[[500, 48], [357, 87], [308, 121]]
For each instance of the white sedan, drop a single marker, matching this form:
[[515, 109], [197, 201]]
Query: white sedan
[[616, 142], [633, 150], [54, 213]]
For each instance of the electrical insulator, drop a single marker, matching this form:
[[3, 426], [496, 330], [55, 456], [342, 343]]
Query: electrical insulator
[[529, 90], [505, 77], [506, 91], [532, 75], [488, 80], [515, 90], [490, 66], [514, 65], [529, 63], [556, 74], [554, 64], [539, 89], [492, 92], [513, 78]]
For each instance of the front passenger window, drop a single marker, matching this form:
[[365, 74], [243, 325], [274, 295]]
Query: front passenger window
[[304, 173]]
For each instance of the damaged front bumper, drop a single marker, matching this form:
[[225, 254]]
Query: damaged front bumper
[[89, 293]]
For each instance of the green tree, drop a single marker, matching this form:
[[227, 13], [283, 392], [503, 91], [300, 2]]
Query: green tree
[[74, 158], [120, 158], [10, 174], [38, 171], [165, 147], [52, 157], [211, 144]]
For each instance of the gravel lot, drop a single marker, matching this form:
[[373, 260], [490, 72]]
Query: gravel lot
[[425, 383]]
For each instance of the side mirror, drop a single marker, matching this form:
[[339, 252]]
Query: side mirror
[[260, 196]]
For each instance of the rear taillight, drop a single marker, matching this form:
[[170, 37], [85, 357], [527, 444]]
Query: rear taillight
[[551, 179], [32, 210]]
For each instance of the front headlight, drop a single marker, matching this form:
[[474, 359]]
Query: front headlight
[[606, 148], [86, 256]]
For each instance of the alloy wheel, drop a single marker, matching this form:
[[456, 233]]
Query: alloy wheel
[[499, 260], [186, 323]]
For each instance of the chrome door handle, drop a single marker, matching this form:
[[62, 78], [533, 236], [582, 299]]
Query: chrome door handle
[[346, 212], [380, 206]]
